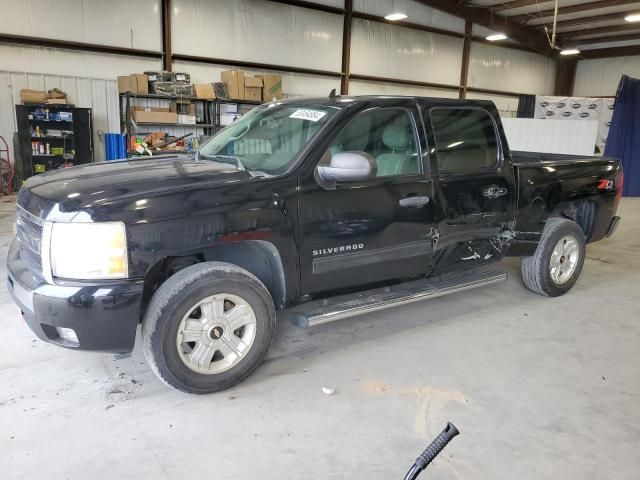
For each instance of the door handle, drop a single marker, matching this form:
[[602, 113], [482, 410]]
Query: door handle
[[414, 202], [494, 191]]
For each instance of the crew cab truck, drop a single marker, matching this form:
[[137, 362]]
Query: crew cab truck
[[318, 209]]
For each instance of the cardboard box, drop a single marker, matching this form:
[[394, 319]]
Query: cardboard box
[[205, 91], [184, 107], [272, 87], [33, 96], [234, 81], [253, 88], [127, 83], [136, 83], [141, 82], [144, 116]]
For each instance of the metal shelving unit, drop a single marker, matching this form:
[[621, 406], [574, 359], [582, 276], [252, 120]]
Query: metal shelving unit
[[75, 138], [210, 116]]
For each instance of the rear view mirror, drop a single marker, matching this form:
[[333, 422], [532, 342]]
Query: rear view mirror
[[348, 167]]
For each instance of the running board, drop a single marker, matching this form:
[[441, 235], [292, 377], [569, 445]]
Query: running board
[[317, 312]]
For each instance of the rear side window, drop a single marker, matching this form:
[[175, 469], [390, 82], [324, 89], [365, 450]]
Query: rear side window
[[465, 139]]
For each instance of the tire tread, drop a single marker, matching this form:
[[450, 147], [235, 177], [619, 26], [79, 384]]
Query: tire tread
[[167, 292]]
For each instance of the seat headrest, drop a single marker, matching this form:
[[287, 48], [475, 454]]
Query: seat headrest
[[396, 137]]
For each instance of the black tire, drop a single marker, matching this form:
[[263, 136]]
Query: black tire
[[171, 302], [536, 272]]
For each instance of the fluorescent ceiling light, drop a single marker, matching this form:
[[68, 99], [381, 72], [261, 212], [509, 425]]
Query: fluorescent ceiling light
[[494, 37], [634, 17], [569, 51], [395, 16], [454, 144]]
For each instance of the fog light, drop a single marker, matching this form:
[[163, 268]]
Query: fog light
[[68, 334]]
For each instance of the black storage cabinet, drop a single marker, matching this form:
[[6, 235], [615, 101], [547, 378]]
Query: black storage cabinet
[[73, 136]]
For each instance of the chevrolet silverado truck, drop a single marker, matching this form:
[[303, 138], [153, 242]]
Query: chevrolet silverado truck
[[318, 209]]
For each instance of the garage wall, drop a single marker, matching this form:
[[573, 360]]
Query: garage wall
[[383, 50], [511, 70], [120, 23], [256, 31], [89, 80], [600, 78]]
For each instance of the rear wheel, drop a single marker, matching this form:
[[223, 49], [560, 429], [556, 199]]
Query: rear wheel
[[558, 260], [208, 327]]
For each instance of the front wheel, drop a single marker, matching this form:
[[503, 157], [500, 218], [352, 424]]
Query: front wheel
[[556, 265], [208, 327]]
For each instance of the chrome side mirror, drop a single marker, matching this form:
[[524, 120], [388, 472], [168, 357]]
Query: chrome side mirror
[[348, 167]]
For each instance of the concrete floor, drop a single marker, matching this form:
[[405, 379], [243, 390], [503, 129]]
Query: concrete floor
[[540, 388]]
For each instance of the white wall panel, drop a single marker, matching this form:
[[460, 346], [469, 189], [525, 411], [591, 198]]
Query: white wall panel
[[257, 31], [293, 84], [358, 87], [511, 70], [601, 77], [395, 52], [119, 23], [417, 13], [71, 63], [571, 137]]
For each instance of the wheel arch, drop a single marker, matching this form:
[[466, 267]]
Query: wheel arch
[[259, 257], [583, 211]]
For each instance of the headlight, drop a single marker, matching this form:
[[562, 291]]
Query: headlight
[[87, 251]]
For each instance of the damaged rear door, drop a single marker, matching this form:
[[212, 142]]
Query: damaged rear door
[[476, 192]]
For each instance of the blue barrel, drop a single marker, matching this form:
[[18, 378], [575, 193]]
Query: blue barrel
[[115, 145]]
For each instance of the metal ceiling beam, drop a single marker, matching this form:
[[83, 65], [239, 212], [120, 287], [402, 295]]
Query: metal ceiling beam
[[594, 31], [528, 36], [311, 6], [611, 52], [595, 19], [513, 4], [583, 7], [610, 38]]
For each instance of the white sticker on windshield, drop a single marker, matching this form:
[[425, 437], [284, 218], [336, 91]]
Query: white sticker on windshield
[[311, 115]]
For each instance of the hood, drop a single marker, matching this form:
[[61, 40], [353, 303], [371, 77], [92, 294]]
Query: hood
[[70, 189]]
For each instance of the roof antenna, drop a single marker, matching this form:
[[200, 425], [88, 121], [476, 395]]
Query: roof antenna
[[332, 94]]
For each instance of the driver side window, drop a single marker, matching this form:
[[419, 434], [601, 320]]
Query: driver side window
[[387, 135]]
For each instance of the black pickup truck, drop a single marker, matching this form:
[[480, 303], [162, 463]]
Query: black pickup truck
[[319, 209]]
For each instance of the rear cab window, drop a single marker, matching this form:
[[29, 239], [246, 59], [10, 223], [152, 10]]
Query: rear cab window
[[465, 139]]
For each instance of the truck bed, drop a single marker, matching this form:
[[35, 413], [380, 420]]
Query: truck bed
[[548, 181]]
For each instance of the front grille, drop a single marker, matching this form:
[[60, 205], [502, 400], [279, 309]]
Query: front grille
[[29, 232]]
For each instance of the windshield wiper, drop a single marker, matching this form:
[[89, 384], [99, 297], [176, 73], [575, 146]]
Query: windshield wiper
[[236, 160]]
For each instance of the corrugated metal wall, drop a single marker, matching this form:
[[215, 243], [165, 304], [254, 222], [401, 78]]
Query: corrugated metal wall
[[249, 30], [99, 94], [601, 77]]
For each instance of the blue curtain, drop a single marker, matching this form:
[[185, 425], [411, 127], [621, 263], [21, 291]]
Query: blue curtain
[[624, 134]]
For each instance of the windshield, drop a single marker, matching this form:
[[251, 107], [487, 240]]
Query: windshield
[[269, 138]]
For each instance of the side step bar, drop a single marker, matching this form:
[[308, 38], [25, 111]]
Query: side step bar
[[318, 312]]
